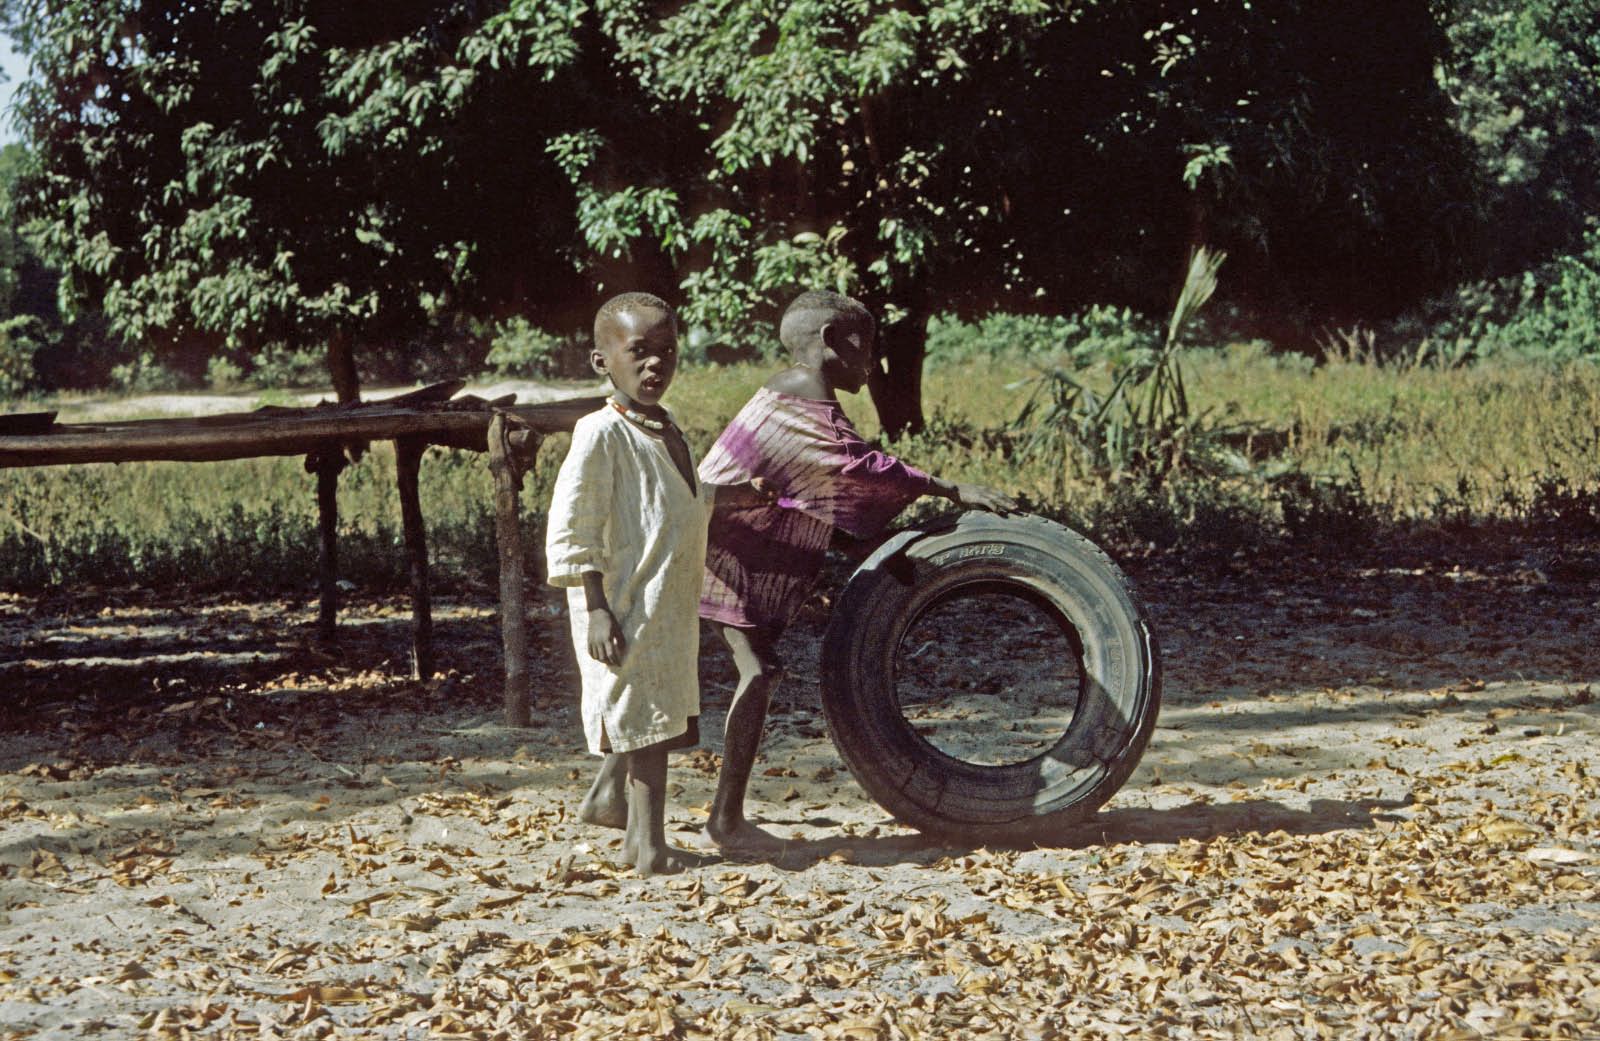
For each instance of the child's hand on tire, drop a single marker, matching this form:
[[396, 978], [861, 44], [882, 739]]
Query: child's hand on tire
[[979, 497]]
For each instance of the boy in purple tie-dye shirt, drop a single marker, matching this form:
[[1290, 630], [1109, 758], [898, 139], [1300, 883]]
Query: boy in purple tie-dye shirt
[[762, 560]]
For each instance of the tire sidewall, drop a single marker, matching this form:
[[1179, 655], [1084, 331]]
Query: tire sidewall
[[1041, 561]]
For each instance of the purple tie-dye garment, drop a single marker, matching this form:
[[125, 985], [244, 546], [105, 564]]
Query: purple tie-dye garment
[[762, 560]]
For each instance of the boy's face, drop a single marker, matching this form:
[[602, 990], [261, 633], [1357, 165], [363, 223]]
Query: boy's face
[[847, 352], [638, 349]]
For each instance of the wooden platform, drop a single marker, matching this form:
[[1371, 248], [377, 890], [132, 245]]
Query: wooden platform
[[328, 435], [282, 431]]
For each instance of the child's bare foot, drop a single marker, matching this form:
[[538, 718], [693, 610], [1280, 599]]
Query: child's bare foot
[[606, 803], [660, 860], [742, 837], [599, 809]]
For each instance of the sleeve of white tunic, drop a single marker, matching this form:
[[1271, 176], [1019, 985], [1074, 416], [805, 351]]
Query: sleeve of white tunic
[[580, 507], [620, 507]]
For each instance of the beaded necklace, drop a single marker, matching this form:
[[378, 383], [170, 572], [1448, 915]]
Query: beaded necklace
[[640, 418], [685, 467]]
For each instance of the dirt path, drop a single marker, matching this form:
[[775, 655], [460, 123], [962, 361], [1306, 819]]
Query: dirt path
[[1369, 811]]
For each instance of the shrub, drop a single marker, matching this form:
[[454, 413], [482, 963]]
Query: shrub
[[1189, 515], [519, 349], [1561, 506], [18, 342], [143, 374], [1550, 312], [223, 374], [1096, 333], [1326, 510], [280, 366], [1560, 318]]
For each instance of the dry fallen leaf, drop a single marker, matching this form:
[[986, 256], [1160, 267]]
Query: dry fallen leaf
[[1555, 855], [322, 994], [417, 923], [1500, 831]]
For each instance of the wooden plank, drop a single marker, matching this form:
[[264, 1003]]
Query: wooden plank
[[274, 432], [554, 417], [278, 436]]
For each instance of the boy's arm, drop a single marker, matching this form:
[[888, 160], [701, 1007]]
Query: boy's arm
[[875, 461], [575, 537], [872, 486], [580, 510], [606, 643], [758, 491]]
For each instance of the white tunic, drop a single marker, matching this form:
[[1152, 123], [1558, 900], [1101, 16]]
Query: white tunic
[[622, 508]]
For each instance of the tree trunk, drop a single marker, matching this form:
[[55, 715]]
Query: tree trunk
[[342, 368], [897, 386]]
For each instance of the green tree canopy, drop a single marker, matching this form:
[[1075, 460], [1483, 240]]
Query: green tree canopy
[[1524, 77], [983, 154], [230, 174], [39, 348], [238, 172]]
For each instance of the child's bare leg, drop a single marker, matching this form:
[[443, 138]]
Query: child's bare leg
[[606, 804], [760, 672], [646, 843]]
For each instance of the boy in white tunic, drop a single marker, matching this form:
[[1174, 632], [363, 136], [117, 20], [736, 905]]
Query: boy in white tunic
[[627, 537]]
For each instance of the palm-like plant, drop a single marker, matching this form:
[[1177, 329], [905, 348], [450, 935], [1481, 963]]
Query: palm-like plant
[[1143, 426]]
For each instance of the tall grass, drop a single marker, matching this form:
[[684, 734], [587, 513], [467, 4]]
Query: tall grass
[[250, 522], [1501, 426], [1345, 448], [1366, 445]]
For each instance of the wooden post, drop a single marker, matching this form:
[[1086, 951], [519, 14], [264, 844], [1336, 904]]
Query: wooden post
[[509, 450], [326, 461], [408, 462]]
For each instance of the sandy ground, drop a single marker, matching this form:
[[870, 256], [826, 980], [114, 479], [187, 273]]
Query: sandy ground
[[1368, 811]]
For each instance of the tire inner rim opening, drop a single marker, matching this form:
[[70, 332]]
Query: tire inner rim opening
[[990, 673]]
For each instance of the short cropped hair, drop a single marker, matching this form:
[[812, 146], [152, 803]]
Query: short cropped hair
[[804, 318], [630, 303]]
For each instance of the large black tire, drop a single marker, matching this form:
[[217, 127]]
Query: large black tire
[[1072, 581]]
